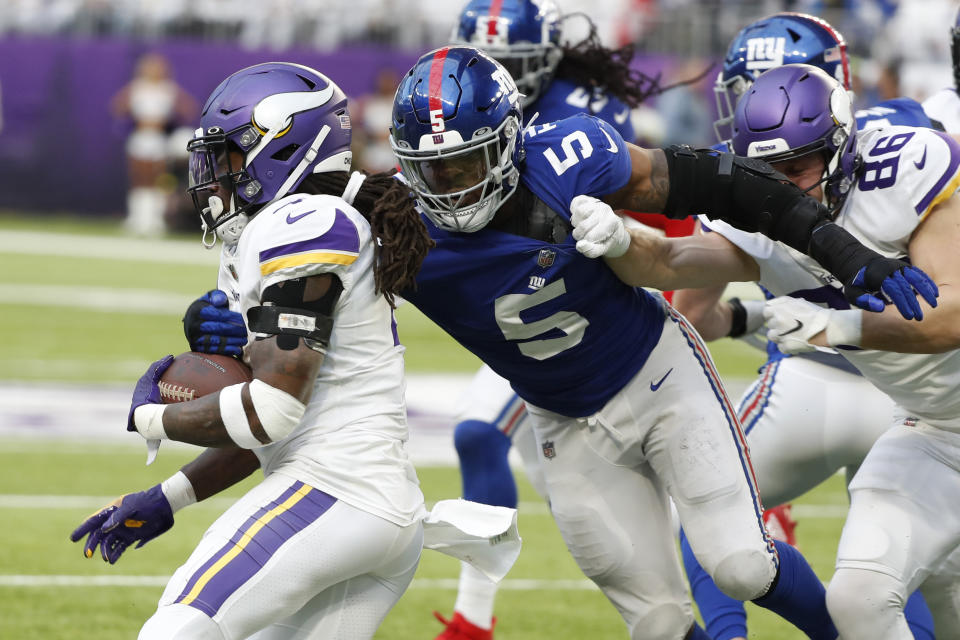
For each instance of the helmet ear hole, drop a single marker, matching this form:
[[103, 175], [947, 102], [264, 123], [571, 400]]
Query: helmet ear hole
[[285, 153]]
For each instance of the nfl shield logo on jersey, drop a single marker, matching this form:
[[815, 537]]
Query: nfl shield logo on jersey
[[548, 451], [546, 258]]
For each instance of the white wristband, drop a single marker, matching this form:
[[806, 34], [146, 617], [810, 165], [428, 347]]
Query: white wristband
[[178, 490], [148, 419], [845, 328], [234, 417]]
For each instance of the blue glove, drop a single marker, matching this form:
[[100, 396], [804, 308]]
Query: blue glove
[[897, 282], [210, 326], [147, 390], [136, 517]]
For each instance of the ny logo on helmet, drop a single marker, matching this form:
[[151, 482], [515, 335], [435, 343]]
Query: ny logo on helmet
[[507, 85], [765, 53]]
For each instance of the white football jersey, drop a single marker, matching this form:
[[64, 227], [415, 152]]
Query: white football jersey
[[944, 107], [351, 440], [907, 171]]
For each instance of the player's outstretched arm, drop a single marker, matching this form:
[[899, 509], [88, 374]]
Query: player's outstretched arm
[[284, 364], [748, 194], [644, 259], [933, 248], [142, 516]]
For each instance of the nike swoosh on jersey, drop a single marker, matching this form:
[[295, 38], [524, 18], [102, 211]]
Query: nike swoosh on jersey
[[656, 385], [798, 326], [621, 117], [923, 160], [292, 218], [613, 145]]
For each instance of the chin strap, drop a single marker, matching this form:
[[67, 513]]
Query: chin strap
[[353, 186], [214, 209]]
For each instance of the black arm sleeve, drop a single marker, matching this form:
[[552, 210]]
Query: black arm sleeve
[[752, 196], [745, 192]]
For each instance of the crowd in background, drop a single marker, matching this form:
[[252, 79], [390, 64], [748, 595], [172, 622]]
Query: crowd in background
[[897, 47]]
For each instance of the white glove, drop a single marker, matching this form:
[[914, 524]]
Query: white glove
[[792, 322], [597, 229]]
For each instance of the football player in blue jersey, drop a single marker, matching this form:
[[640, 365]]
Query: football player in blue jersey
[[556, 80], [793, 449], [624, 400]]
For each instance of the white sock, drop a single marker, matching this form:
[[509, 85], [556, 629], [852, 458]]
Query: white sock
[[475, 597]]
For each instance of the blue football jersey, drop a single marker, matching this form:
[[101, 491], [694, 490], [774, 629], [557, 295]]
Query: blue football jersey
[[564, 99], [898, 111], [562, 328]]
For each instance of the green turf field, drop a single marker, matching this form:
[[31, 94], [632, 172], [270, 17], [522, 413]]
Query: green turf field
[[48, 488], [87, 305]]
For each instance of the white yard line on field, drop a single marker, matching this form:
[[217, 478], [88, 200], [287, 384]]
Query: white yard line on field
[[107, 247], [150, 301], [159, 581]]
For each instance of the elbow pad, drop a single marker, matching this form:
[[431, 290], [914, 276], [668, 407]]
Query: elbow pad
[[746, 193], [279, 412]]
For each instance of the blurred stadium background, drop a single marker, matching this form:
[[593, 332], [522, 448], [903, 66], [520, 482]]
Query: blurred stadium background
[[88, 297]]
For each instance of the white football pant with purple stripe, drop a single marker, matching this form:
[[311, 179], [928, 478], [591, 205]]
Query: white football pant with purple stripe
[[288, 561], [671, 431]]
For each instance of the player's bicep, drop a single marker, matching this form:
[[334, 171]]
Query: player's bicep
[[649, 183], [293, 326]]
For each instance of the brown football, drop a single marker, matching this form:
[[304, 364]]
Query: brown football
[[195, 374]]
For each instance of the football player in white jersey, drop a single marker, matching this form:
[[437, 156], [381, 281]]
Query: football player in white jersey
[[894, 189], [809, 416], [329, 540]]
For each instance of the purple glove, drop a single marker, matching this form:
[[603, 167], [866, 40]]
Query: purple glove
[[210, 326], [136, 517], [147, 391]]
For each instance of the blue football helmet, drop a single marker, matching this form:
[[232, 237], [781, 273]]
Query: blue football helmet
[[285, 121], [796, 110], [783, 38], [456, 133], [522, 35]]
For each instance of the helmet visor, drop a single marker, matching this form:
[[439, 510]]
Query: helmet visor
[[451, 174]]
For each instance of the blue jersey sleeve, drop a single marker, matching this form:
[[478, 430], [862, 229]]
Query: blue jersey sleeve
[[905, 112], [564, 99], [579, 155]]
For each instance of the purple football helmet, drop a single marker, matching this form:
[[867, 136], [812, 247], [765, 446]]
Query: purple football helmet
[[795, 110], [783, 38], [522, 35], [285, 120], [456, 133]]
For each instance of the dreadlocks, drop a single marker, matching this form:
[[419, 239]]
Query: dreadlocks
[[591, 64], [400, 238]]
